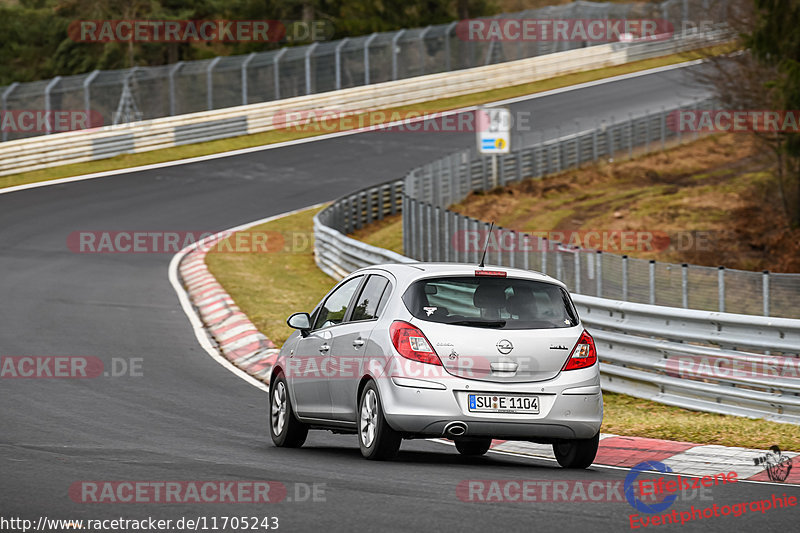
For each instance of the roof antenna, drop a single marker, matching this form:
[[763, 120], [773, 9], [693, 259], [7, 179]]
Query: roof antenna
[[486, 245]]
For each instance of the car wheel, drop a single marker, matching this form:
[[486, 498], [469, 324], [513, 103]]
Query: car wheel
[[473, 446], [284, 428], [577, 453], [376, 438]]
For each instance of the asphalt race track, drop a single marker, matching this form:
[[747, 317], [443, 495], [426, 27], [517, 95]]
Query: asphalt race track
[[185, 417]]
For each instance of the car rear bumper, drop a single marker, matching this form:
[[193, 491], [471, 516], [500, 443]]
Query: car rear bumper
[[570, 407]]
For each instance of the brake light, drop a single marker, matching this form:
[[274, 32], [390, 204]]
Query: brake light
[[411, 343], [491, 273], [583, 355]]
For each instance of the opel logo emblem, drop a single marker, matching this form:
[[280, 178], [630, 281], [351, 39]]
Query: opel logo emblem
[[504, 346]]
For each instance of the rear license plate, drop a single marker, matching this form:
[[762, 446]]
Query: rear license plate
[[495, 403]]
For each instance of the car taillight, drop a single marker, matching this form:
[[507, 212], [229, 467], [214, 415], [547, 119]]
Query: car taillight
[[491, 273], [583, 355], [411, 343]]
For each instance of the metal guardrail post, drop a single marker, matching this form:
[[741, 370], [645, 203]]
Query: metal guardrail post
[[630, 135], [210, 82], [663, 128], [395, 52], [47, 106], [652, 272], [277, 72], [420, 210], [721, 288], [545, 243], [338, 61], [307, 60], [647, 131], [526, 251], [422, 50], [87, 100], [498, 243], [436, 222], [446, 234], [245, 63], [5, 96], [625, 278], [598, 272], [685, 285], [428, 222], [685, 15], [610, 138], [172, 71], [454, 240], [366, 56], [765, 291], [559, 263], [577, 270]]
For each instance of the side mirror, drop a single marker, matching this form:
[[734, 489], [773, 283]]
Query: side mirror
[[301, 321]]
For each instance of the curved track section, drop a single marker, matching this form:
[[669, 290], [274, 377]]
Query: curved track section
[[186, 418]]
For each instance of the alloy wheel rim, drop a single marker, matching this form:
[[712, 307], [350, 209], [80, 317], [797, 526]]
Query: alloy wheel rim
[[278, 408], [369, 418]]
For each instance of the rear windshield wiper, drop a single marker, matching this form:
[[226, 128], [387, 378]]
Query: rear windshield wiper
[[480, 323]]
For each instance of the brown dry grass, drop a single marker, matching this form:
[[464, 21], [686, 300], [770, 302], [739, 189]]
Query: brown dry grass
[[721, 185]]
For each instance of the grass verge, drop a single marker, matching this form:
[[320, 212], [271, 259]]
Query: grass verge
[[277, 136], [268, 287]]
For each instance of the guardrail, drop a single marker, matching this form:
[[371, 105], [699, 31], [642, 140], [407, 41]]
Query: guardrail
[[705, 361], [80, 146]]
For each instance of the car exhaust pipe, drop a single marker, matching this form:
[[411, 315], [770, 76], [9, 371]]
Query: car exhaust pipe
[[455, 429]]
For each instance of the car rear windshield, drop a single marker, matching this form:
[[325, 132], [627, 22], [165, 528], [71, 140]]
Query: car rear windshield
[[501, 303]]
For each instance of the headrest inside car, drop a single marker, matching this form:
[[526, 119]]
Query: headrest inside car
[[489, 296]]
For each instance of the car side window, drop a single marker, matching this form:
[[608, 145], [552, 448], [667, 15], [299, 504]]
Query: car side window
[[334, 309], [369, 300]]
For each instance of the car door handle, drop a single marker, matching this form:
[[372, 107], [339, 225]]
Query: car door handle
[[358, 342], [324, 348]]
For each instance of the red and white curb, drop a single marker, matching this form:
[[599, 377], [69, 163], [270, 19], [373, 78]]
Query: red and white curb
[[684, 458], [236, 337], [222, 329]]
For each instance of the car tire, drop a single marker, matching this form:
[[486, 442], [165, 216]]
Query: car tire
[[284, 427], [474, 446], [377, 440], [576, 453]]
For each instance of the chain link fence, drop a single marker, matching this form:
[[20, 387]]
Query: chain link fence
[[193, 86], [433, 233]]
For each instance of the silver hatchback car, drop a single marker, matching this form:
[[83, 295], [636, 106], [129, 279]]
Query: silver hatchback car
[[424, 350]]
